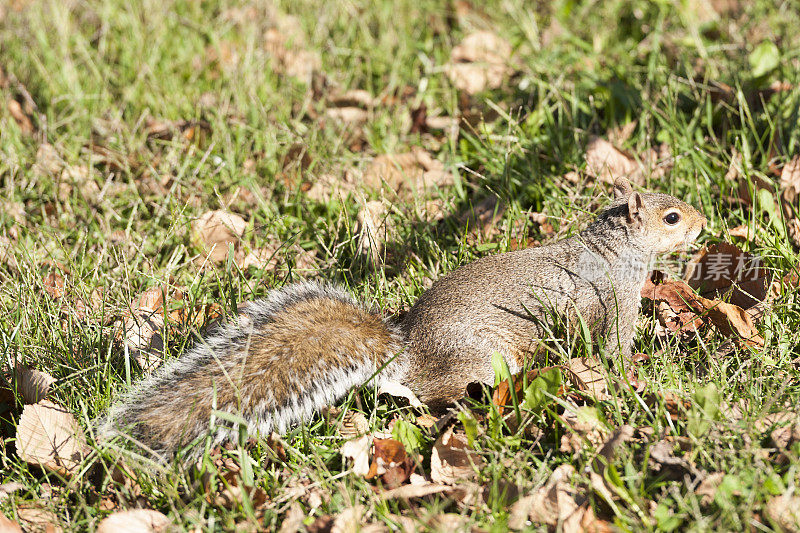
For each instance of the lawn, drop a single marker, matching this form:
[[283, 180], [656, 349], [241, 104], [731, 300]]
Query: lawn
[[162, 162]]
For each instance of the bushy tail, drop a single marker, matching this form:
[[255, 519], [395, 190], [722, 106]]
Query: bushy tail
[[287, 356]]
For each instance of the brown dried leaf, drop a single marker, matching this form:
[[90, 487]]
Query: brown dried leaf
[[730, 319], [584, 429], [372, 226], [9, 488], [48, 161], [293, 520], [725, 271], [790, 179], [391, 462], [353, 424], [484, 216], [19, 115], [8, 526], [708, 488], [141, 333], [415, 491], [134, 521], [15, 210], [606, 163], [784, 510], [49, 436], [588, 374], [35, 520], [287, 46], [347, 115], [407, 173], [349, 521], [353, 98], [663, 459], [398, 390], [452, 459], [34, 385], [329, 186], [785, 436], [357, 450], [551, 504], [263, 258], [54, 284], [216, 230], [479, 62], [232, 493]]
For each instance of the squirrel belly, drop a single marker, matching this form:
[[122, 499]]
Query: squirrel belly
[[287, 356]]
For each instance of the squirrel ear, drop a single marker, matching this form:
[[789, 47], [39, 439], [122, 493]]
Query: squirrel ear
[[635, 207], [622, 188]]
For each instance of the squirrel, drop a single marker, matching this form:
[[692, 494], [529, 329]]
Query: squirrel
[[306, 345]]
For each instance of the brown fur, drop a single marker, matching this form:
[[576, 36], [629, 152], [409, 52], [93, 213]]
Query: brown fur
[[307, 344]]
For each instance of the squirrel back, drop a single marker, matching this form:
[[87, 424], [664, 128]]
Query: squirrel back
[[307, 345], [285, 357]]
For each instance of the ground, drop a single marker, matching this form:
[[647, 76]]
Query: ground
[[165, 161]]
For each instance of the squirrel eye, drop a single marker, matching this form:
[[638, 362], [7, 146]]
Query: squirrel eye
[[672, 218]]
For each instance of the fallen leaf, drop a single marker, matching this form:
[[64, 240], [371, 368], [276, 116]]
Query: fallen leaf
[[784, 510], [352, 98], [232, 493], [37, 519], [664, 461], [783, 437], [167, 129], [606, 163], [452, 459], [391, 462], [353, 424], [484, 216], [33, 385], [9, 488], [134, 521], [707, 489], [725, 271], [357, 450], [264, 258], [407, 173], [293, 521], [54, 284], [588, 375], [479, 62], [349, 521], [415, 491], [20, 116], [329, 186], [692, 309], [398, 390], [347, 115], [287, 47], [48, 161], [372, 227], [215, 231], [15, 210], [141, 333], [8, 526], [790, 179], [585, 428], [551, 504], [49, 436]]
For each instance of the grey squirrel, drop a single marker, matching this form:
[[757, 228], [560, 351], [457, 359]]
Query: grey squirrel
[[306, 345]]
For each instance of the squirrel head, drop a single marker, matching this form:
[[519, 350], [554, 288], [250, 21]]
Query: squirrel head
[[658, 223]]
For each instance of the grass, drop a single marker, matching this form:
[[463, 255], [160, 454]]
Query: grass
[[99, 70]]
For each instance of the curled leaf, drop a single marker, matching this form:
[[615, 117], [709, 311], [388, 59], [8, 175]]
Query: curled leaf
[[49, 436]]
